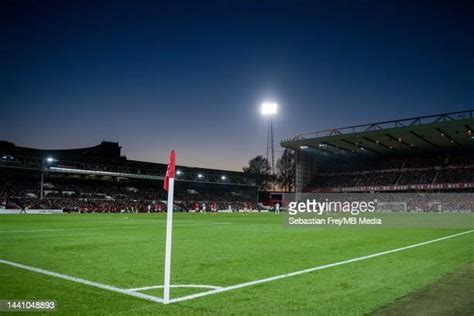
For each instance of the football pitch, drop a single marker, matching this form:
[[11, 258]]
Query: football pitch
[[223, 263]]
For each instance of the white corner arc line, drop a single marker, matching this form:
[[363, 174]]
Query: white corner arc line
[[287, 275], [83, 281], [197, 286]]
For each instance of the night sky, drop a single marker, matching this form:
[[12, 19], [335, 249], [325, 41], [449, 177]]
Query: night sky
[[191, 75]]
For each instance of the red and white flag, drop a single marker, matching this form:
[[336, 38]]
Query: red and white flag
[[168, 185], [170, 171]]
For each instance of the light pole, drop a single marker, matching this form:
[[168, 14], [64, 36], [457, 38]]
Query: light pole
[[270, 109], [44, 167]]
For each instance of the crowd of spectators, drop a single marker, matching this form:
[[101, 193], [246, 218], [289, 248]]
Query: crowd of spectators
[[421, 176], [397, 170], [329, 180], [108, 196], [455, 175], [378, 178]]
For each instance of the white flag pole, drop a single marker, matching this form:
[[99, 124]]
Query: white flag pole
[[169, 228]]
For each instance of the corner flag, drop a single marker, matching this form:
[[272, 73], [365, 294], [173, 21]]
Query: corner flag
[[170, 170], [168, 185]]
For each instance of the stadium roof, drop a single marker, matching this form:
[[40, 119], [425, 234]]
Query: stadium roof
[[440, 132], [105, 159]]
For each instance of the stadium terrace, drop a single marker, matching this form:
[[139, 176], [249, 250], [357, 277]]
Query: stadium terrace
[[100, 179], [419, 154]]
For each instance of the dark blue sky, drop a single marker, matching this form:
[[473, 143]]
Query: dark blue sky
[[191, 75]]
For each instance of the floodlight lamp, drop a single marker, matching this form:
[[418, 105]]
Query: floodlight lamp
[[223, 178], [50, 159], [269, 108]]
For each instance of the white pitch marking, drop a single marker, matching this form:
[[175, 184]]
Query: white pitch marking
[[83, 281], [197, 286], [287, 275], [223, 289]]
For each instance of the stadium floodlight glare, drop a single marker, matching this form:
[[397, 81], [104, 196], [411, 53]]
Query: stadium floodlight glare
[[303, 147], [50, 159], [269, 108], [178, 172], [200, 176], [223, 177]]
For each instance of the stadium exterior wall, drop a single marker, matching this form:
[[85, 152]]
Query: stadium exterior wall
[[306, 167]]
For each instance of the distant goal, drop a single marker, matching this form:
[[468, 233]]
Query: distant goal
[[389, 207]]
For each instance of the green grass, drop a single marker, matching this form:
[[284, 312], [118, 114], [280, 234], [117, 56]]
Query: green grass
[[127, 251], [457, 288]]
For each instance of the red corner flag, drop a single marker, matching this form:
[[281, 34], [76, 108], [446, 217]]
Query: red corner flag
[[169, 186], [170, 170]]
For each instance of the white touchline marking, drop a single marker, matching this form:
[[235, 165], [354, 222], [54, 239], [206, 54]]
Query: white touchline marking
[[287, 275], [197, 286], [83, 281]]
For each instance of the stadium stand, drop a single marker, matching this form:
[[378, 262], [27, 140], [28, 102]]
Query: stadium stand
[[99, 179], [427, 153]]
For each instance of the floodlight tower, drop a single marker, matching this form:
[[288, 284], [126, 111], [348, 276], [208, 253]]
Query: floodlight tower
[[44, 167], [270, 109]]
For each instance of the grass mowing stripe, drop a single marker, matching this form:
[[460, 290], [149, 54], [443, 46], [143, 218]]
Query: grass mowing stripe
[[287, 275], [105, 227], [70, 229], [83, 281]]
